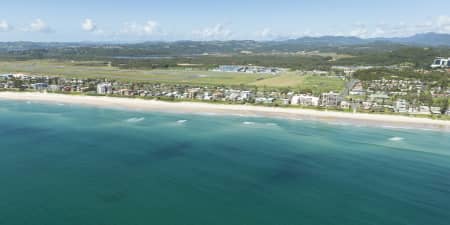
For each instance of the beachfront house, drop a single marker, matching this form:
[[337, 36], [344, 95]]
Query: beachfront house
[[54, 88], [401, 106], [422, 110], [366, 105], [345, 105], [193, 92], [435, 110], [246, 95], [263, 100], [305, 100], [39, 86]]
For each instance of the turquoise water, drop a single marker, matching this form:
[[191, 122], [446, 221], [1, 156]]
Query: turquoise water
[[63, 164]]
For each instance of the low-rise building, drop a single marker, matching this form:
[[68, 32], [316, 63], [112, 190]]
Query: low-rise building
[[54, 88], [39, 86], [345, 105], [435, 110], [286, 101], [367, 105], [378, 97], [305, 100], [263, 100], [421, 110], [357, 89]]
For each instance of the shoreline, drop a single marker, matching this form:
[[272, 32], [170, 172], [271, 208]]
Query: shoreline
[[386, 121]]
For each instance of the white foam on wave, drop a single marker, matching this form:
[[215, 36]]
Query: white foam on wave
[[396, 139], [248, 123], [135, 120], [396, 127], [181, 121]]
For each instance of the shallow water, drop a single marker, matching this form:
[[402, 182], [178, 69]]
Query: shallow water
[[64, 164]]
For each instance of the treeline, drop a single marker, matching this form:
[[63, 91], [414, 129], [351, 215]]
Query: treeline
[[208, 62], [441, 78], [164, 55], [418, 57]]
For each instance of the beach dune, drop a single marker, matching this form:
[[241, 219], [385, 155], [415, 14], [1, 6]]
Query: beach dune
[[393, 121]]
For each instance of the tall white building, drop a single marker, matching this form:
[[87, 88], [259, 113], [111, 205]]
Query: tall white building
[[104, 89], [330, 99]]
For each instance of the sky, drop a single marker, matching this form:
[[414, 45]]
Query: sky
[[171, 20]]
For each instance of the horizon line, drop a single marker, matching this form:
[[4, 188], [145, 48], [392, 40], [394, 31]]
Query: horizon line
[[224, 40]]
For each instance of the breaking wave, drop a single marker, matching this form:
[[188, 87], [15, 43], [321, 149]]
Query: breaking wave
[[135, 120], [396, 139]]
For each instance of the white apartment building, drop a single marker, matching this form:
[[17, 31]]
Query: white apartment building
[[330, 99], [104, 89]]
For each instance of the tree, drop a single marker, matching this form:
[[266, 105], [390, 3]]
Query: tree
[[444, 105], [17, 83]]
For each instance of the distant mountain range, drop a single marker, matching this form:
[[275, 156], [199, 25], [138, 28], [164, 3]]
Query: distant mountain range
[[426, 39], [339, 44]]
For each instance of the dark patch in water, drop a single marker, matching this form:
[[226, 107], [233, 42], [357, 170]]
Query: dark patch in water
[[230, 148], [293, 168], [160, 154], [14, 130], [298, 132], [112, 197], [287, 172], [178, 150]]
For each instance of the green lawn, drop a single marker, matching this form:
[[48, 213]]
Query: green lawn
[[317, 84], [100, 70]]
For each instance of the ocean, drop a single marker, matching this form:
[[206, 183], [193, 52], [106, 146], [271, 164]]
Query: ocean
[[65, 164]]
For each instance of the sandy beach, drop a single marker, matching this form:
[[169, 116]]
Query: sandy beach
[[389, 121]]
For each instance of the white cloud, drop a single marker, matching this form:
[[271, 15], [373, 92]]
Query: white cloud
[[4, 26], [443, 23], [440, 24], [149, 28], [360, 32], [89, 25], [38, 25], [217, 32], [379, 32], [266, 34]]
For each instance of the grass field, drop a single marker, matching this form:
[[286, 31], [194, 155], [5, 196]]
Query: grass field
[[315, 84], [93, 69]]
